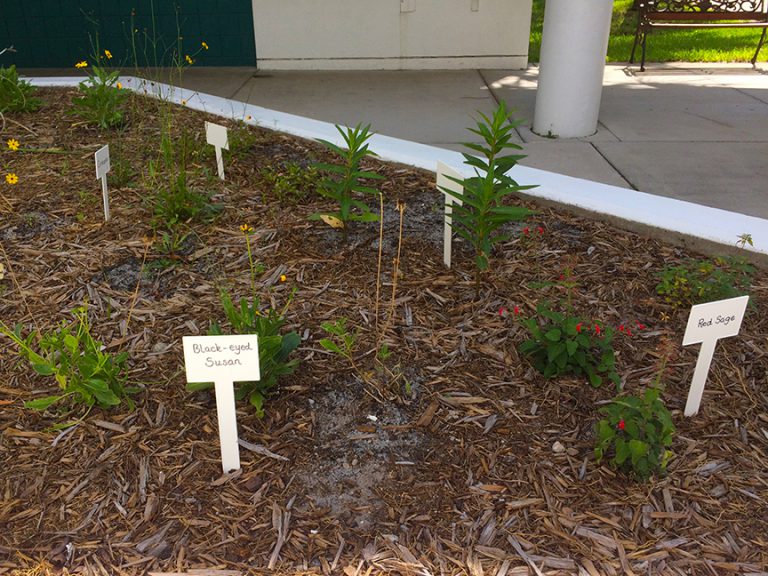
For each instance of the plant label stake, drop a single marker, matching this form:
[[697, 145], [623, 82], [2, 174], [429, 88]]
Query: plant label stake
[[444, 175], [102, 167], [708, 323], [216, 135], [223, 360]]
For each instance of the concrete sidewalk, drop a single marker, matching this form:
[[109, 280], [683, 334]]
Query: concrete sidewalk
[[696, 132]]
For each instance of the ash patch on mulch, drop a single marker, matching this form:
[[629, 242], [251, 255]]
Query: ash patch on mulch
[[33, 224], [359, 444], [122, 276]]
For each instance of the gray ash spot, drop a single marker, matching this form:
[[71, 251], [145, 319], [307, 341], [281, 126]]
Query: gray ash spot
[[359, 444]]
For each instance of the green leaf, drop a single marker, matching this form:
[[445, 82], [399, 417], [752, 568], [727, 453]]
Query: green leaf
[[43, 369], [330, 345], [42, 403], [554, 334], [99, 389], [638, 449], [197, 386]]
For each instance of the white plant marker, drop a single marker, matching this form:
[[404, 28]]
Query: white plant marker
[[223, 360], [102, 167], [444, 173], [216, 135], [707, 324]]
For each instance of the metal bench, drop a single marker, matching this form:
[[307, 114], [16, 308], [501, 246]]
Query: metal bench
[[698, 14]]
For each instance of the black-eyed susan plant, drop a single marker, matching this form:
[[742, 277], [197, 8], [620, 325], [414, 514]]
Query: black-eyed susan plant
[[101, 101], [275, 347]]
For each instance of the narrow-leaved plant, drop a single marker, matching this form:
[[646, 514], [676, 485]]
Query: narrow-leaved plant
[[345, 179], [482, 211]]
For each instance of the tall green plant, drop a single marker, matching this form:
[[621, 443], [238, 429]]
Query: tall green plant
[[483, 212], [346, 178]]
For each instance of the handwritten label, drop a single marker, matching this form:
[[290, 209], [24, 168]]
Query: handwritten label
[[223, 360], [707, 323], [444, 182], [103, 166], [216, 136]]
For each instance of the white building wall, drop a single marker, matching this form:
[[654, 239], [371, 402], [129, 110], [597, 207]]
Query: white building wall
[[391, 34]]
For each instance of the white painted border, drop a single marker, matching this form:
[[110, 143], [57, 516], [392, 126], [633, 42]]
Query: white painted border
[[712, 224]]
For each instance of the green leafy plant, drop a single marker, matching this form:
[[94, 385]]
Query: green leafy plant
[[561, 343], [636, 433], [697, 281], [346, 178], [482, 211], [101, 103], [16, 95], [84, 372], [291, 183], [341, 341], [274, 347]]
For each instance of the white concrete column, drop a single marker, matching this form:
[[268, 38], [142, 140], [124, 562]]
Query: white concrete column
[[573, 48]]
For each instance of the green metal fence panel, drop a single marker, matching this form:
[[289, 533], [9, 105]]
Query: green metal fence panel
[[59, 33]]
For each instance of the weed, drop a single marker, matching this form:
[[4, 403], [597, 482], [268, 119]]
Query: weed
[[84, 372], [291, 183], [697, 281]]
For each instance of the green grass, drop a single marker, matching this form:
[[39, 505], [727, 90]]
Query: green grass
[[696, 45]]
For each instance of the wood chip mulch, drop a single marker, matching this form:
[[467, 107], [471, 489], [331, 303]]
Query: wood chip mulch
[[454, 457]]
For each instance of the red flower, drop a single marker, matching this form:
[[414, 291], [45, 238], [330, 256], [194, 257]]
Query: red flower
[[621, 425], [502, 312], [621, 328], [597, 329], [540, 230], [578, 327], [526, 230], [640, 326], [629, 332], [516, 310]]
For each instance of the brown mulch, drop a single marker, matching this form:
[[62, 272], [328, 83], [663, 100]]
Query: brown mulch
[[442, 461]]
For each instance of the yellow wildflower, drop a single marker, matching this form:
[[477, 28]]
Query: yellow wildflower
[[283, 277], [11, 178], [119, 85], [13, 144], [82, 64], [248, 117], [183, 102], [245, 229], [204, 45], [108, 54], [189, 60]]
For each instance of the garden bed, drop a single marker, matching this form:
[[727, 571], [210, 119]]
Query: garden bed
[[453, 455]]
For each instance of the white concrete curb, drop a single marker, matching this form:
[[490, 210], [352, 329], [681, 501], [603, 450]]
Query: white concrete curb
[[712, 224]]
